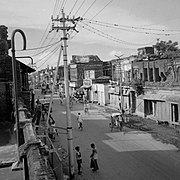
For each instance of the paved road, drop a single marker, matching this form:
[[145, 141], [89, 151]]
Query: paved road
[[127, 155]]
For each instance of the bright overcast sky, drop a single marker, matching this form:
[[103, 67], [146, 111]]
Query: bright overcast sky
[[110, 27]]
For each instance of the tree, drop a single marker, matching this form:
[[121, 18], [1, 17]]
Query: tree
[[166, 49], [137, 85]]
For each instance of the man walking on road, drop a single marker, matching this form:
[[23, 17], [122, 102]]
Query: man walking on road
[[80, 121]]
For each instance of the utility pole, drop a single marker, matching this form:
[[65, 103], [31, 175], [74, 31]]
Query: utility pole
[[62, 26], [120, 82]]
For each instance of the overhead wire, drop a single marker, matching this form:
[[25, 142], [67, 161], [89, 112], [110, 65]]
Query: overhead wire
[[43, 51], [48, 45], [129, 30], [42, 47], [134, 27], [79, 8], [84, 15], [51, 53], [96, 13], [73, 7], [63, 4], [56, 6], [40, 59], [89, 8], [44, 38], [107, 36], [102, 9]]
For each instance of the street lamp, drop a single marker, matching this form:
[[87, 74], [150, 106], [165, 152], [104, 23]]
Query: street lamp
[[14, 72]]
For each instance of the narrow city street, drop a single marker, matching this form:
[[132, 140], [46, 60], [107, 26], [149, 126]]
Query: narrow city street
[[121, 155]]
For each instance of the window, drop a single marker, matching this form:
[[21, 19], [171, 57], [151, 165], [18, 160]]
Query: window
[[145, 74], [157, 77], [148, 105], [89, 74], [151, 74]]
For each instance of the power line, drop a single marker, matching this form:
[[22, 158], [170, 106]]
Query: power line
[[42, 47], [73, 7], [85, 14], [79, 7], [55, 6], [49, 45], [88, 8], [129, 30], [47, 56], [133, 27], [63, 4], [96, 14], [101, 33], [102, 9]]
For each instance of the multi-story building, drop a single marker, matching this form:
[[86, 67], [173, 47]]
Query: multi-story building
[[160, 97], [84, 70], [120, 92]]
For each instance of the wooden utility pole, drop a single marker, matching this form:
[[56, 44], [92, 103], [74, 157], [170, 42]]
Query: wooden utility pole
[[61, 25]]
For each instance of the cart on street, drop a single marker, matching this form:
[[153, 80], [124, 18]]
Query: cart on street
[[116, 121]]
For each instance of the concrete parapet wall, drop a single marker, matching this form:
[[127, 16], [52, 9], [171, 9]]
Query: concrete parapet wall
[[38, 166], [37, 159]]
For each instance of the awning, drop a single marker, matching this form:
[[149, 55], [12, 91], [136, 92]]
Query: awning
[[157, 97], [160, 97]]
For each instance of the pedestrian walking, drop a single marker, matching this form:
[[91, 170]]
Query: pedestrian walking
[[94, 156], [60, 98], [78, 159], [120, 121], [80, 121], [86, 105]]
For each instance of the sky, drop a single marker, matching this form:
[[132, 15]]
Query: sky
[[108, 28]]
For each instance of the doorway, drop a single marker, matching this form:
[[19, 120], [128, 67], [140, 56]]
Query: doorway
[[174, 113]]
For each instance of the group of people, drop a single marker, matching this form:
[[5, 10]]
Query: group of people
[[93, 158]]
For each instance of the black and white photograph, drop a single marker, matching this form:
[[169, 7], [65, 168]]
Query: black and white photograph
[[89, 90]]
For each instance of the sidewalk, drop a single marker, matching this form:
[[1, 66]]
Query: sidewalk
[[164, 133]]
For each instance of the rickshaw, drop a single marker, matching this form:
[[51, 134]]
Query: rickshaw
[[115, 123]]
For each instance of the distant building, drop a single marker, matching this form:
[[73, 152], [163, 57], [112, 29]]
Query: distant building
[[84, 70]]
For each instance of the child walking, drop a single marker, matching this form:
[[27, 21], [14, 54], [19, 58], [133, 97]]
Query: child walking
[[94, 156]]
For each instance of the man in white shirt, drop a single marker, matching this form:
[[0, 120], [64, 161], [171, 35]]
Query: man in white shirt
[[80, 121]]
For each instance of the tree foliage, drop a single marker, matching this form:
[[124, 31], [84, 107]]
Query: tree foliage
[[166, 48], [137, 85]]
